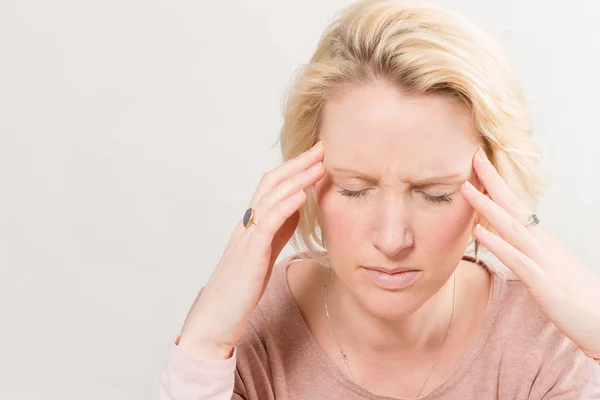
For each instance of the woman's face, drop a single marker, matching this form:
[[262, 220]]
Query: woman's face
[[390, 197]]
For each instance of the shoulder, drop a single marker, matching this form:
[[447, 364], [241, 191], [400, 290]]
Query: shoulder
[[528, 345], [518, 313], [518, 316], [273, 338], [277, 313]]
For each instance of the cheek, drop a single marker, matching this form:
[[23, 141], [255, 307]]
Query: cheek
[[448, 229], [337, 221], [340, 222]]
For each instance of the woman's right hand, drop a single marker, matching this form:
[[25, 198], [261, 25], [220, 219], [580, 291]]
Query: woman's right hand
[[222, 310]]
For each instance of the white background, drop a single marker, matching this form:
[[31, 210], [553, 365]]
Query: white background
[[133, 133]]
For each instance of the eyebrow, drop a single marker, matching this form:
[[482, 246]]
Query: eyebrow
[[421, 182]]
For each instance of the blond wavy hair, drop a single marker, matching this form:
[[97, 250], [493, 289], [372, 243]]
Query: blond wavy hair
[[420, 48]]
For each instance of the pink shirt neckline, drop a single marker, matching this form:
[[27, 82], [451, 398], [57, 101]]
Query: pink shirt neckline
[[497, 290]]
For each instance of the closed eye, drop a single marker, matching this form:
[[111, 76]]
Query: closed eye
[[444, 198], [353, 193]]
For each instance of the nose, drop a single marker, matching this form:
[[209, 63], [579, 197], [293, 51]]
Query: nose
[[392, 232]]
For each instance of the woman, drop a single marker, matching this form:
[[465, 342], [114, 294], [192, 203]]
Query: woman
[[405, 139]]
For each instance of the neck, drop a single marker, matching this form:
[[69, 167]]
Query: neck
[[366, 336]]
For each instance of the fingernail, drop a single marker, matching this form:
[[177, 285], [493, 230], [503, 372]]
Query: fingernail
[[480, 230], [470, 188], [298, 194], [315, 167], [481, 154]]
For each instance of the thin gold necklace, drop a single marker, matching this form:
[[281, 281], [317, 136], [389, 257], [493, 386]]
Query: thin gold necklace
[[343, 353]]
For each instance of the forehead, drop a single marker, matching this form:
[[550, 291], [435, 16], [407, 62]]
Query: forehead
[[378, 126]]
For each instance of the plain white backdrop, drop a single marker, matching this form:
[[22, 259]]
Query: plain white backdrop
[[133, 133]]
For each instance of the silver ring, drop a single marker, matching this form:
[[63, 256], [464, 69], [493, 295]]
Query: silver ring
[[249, 218], [533, 219]]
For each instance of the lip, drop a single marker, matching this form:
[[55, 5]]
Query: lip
[[385, 279], [390, 271]]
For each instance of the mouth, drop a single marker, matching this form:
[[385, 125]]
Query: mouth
[[392, 279], [390, 271]]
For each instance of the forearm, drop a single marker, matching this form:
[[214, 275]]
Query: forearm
[[188, 377]]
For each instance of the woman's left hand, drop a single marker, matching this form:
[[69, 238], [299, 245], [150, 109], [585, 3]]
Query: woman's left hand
[[566, 290]]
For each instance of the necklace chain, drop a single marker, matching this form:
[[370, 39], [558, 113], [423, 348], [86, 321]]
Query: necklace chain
[[343, 355]]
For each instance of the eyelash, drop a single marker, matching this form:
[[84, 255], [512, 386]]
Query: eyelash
[[445, 198], [438, 199]]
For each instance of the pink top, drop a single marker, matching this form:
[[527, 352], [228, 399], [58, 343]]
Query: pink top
[[517, 354]]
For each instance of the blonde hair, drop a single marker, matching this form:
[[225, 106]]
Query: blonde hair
[[420, 48]]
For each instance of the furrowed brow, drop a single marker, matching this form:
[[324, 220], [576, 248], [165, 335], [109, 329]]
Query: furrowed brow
[[453, 178]]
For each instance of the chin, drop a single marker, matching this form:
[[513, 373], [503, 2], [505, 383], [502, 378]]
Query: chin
[[390, 305]]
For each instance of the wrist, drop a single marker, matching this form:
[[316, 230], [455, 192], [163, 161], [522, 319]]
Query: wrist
[[204, 350]]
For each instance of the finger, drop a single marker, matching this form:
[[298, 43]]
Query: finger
[[523, 266], [259, 238], [287, 169], [285, 189], [293, 184], [288, 188], [497, 187], [507, 226], [274, 177]]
